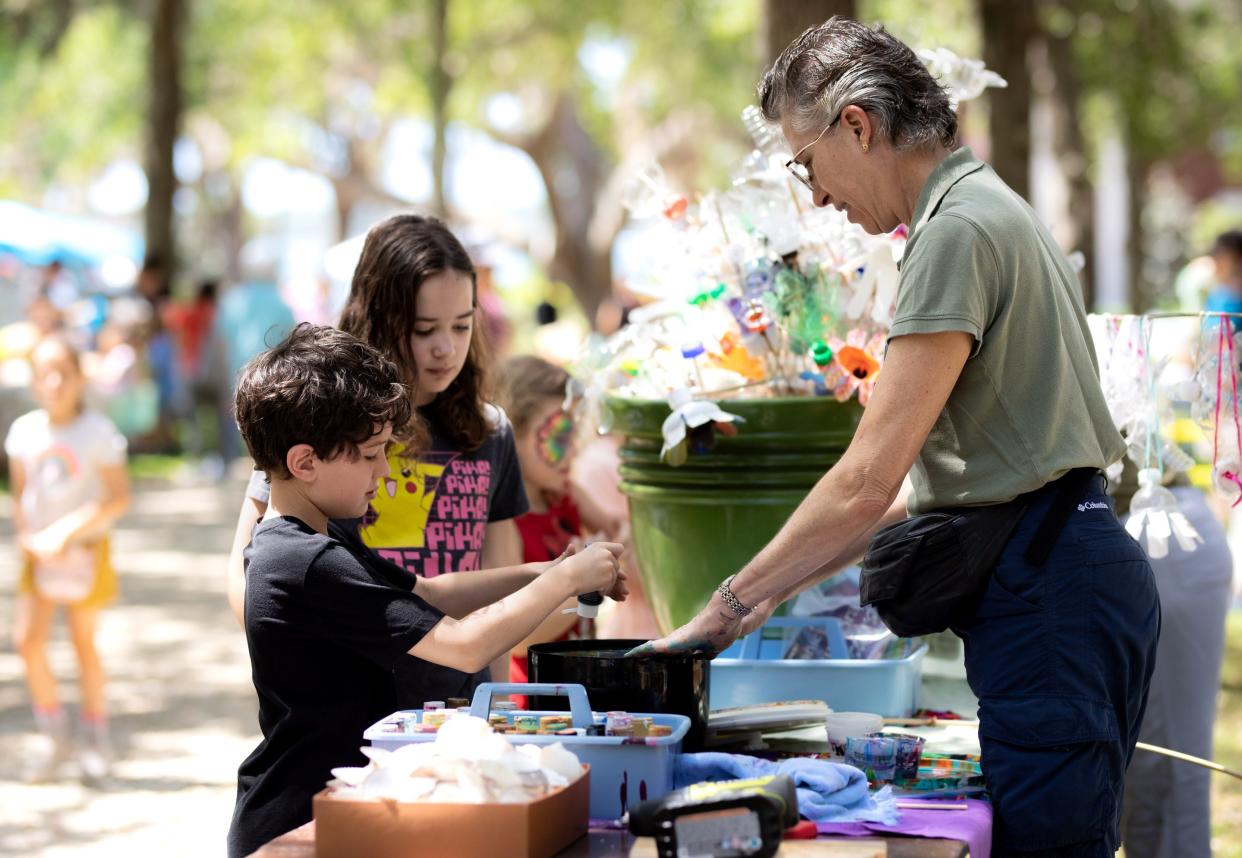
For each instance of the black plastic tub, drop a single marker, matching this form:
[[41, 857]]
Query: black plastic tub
[[669, 684]]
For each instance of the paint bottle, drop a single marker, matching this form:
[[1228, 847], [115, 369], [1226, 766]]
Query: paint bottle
[[588, 604], [619, 724], [555, 722]]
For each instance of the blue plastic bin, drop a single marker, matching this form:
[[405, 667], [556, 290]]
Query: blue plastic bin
[[623, 771], [752, 671]]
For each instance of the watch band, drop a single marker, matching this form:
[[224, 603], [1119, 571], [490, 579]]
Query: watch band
[[731, 600]]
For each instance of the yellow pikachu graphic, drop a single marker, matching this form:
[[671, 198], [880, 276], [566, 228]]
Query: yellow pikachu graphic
[[404, 501]]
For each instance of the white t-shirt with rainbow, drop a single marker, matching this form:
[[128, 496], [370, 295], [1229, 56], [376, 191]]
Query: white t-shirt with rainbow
[[62, 463]]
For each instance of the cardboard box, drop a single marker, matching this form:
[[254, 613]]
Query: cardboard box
[[349, 828]]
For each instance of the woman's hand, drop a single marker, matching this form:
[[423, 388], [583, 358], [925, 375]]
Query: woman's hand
[[756, 619], [711, 631]]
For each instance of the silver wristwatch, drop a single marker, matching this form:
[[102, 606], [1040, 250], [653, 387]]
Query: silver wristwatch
[[732, 601]]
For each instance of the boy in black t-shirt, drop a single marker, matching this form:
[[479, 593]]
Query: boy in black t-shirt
[[325, 619]]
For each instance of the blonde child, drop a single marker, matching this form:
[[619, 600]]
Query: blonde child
[[532, 392], [67, 465]]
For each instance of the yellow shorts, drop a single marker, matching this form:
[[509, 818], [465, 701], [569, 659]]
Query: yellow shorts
[[105, 587]]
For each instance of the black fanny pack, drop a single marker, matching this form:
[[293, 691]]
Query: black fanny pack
[[928, 572]]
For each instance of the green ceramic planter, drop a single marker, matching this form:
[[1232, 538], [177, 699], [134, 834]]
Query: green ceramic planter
[[696, 524]]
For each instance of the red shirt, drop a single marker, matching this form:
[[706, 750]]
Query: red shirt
[[544, 536]]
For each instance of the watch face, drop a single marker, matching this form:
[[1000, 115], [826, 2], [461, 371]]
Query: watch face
[[729, 833]]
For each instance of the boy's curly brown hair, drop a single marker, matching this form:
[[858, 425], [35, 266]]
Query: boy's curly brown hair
[[320, 386]]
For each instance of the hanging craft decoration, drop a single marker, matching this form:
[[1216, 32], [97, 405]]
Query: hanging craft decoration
[[752, 290], [1129, 376], [692, 423], [1227, 468], [1155, 515], [963, 78]]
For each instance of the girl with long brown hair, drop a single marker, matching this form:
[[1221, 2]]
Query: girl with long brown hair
[[454, 486]]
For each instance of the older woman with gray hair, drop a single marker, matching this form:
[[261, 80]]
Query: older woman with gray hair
[[990, 402]]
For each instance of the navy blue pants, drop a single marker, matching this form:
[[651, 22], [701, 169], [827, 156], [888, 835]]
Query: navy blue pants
[[1060, 657]]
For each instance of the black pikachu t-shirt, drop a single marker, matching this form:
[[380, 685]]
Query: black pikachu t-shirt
[[429, 517], [325, 623]]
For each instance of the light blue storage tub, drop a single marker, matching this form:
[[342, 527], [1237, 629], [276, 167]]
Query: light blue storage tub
[[752, 671], [623, 771]]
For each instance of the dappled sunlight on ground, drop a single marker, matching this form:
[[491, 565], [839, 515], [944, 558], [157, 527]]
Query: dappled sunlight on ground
[[183, 709]]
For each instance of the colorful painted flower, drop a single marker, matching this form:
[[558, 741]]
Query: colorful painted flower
[[857, 362]]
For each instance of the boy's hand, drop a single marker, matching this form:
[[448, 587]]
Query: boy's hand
[[619, 588], [595, 568]]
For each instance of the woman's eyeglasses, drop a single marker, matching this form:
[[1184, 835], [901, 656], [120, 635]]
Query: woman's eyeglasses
[[802, 172]]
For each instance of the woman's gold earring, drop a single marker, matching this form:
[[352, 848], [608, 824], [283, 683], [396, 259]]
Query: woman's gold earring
[[866, 148]]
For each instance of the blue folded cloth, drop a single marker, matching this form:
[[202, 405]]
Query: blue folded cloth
[[827, 791]]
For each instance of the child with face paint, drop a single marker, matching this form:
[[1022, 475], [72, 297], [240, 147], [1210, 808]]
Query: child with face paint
[[532, 393]]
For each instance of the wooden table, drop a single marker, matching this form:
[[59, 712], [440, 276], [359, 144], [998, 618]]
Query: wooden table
[[300, 843]]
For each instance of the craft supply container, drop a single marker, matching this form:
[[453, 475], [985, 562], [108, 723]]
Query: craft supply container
[[624, 770], [348, 828], [752, 671], [669, 683]]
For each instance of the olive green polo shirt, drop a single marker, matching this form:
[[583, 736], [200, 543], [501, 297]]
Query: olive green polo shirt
[[1028, 405]]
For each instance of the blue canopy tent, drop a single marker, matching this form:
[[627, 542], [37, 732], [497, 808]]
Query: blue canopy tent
[[38, 237]]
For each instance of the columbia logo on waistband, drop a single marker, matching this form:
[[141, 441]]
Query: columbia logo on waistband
[[1083, 507]]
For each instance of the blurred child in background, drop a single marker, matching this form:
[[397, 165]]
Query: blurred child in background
[[67, 465], [532, 392], [1225, 295]]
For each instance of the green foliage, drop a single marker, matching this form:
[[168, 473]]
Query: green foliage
[[1170, 66], [700, 53], [68, 112], [274, 80], [951, 24]]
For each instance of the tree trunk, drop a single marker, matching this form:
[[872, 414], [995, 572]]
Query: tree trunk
[[232, 230], [574, 173], [785, 20], [1009, 26], [163, 124], [1060, 84], [439, 85], [1138, 171], [585, 191]]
